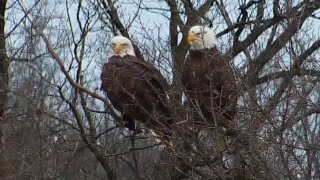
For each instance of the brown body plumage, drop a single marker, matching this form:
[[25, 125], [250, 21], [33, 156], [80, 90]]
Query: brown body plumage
[[210, 86], [138, 90]]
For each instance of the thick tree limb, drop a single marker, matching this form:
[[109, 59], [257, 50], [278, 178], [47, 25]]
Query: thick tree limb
[[175, 22], [4, 89], [285, 74], [258, 29], [264, 57], [296, 70], [256, 32], [114, 17], [4, 63]]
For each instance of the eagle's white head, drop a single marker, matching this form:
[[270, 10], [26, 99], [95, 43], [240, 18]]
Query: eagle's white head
[[121, 46], [201, 37]]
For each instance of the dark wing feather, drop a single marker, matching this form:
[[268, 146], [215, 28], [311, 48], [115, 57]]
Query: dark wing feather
[[154, 76], [209, 79], [132, 85]]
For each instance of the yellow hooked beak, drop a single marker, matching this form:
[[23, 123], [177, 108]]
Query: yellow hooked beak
[[118, 48], [192, 38]]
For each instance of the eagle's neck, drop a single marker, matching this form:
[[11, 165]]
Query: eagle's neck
[[200, 52], [202, 46], [122, 59], [123, 54], [206, 57]]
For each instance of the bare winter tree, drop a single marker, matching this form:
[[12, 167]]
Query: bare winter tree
[[58, 116], [4, 83]]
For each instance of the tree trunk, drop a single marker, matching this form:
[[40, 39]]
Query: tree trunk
[[4, 80]]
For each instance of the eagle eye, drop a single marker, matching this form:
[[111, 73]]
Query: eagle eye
[[198, 33], [113, 44]]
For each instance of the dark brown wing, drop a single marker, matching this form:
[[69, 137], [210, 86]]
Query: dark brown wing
[[207, 76], [112, 77], [114, 74], [224, 81], [137, 89], [153, 75], [127, 67]]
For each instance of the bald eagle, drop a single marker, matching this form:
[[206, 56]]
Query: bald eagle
[[136, 88], [208, 79]]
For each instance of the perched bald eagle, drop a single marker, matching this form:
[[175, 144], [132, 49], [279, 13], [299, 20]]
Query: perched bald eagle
[[136, 88], [209, 81]]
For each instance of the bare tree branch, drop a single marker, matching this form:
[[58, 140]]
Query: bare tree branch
[[268, 53], [70, 79]]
